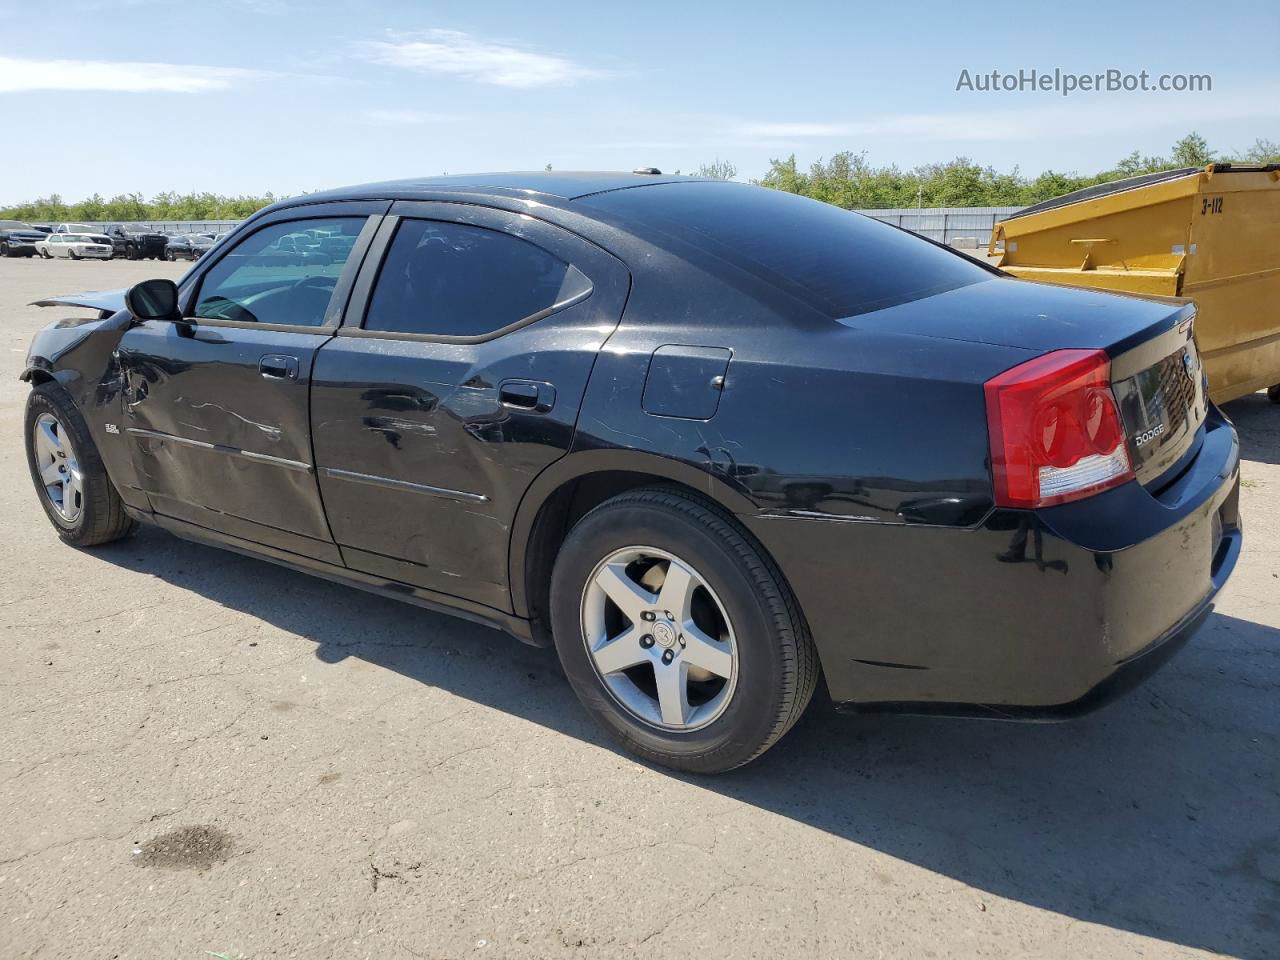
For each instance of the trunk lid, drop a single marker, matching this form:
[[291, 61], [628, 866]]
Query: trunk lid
[[1156, 374], [1160, 388]]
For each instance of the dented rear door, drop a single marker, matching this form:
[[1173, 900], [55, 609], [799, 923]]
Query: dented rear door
[[441, 398]]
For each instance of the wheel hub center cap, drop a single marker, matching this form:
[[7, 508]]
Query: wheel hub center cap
[[664, 635]]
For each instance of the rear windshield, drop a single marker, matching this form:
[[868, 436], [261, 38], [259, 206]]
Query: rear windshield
[[837, 262]]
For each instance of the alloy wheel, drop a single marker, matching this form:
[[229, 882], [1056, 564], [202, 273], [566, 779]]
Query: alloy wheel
[[58, 466], [659, 638]]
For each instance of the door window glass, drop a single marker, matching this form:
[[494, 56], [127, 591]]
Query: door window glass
[[455, 280], [284, 273]]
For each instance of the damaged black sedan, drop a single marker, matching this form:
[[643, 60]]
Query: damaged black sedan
[[717, 444]]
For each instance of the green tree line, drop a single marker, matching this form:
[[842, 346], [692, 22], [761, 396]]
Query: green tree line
[[849, 180], [846, 179], [132, 206]]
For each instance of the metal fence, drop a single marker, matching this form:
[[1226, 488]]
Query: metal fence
[[947, 224], [944, 224], [166, 226]]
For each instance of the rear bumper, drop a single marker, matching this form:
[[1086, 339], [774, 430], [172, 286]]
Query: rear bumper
[[1032, 615], [1123, 676]]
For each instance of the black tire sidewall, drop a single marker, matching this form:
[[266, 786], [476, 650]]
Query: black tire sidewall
[[51, 399], [750, 718]]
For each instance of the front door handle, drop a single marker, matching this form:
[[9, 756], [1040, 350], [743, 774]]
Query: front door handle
[[532, 396], [277, 366]]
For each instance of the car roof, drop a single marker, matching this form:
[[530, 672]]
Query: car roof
[[561, 184]]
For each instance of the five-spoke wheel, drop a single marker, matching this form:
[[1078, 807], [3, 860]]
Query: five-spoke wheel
[[67, 470], [676, 631], [659, 638], [58, 466]]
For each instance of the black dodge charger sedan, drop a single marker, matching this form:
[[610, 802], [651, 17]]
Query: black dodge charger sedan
[[711, 441]]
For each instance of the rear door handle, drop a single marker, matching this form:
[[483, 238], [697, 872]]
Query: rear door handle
[[529, 395], [277, 366]]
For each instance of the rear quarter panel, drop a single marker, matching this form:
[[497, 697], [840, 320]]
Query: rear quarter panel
[[816, 418]]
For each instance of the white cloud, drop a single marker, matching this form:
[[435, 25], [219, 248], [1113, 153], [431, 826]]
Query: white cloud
[[1084, 117], [498, 62], [407, 117], [784, 131], [122, 76]]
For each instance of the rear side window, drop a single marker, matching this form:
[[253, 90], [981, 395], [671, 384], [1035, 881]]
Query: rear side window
[[837, 262], [455, 280]]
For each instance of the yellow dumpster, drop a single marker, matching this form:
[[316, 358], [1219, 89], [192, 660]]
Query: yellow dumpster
[[1211, 235]]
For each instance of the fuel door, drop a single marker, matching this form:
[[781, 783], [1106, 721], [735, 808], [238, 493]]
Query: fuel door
[[685, 381]]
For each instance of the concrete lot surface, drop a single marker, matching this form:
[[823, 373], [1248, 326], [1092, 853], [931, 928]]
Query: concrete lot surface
[[201, 752]]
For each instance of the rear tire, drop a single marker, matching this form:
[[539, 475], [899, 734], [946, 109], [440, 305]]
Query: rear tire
[[4, 248], [1273, 393], [90, 512], [762, 642]]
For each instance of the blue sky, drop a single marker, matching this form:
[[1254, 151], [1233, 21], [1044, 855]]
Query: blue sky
[[245, 96]]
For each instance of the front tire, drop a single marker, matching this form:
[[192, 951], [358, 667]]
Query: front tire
[[70, 478], [678, 633], [4, 248]]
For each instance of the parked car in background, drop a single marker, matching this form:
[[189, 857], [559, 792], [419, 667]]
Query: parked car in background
[[178, 247], [202, 243], [714, 442], [75, 246], [75, 228], [188, 246], [18, 239], [135, 244]]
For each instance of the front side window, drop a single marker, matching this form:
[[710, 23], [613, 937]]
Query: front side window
[[283, 274], [455, 280]]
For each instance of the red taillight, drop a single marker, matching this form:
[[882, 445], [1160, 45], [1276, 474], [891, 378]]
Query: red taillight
[[1055, 430]]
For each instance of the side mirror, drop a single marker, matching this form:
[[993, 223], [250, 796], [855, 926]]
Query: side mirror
[[153, 300]]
